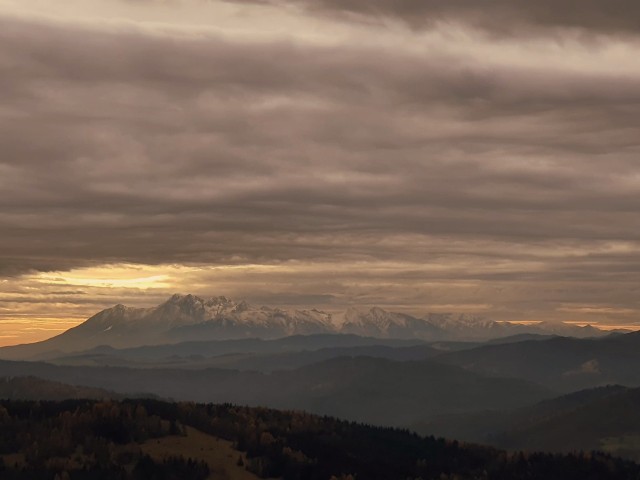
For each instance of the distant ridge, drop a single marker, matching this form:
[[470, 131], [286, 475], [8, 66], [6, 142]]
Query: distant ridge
[[366, 389], [33, 388], [188, 317]]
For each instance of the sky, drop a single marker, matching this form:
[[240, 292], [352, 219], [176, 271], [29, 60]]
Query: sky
[[422, 156]]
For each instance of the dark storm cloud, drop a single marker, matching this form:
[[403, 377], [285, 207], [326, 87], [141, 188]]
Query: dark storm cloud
[[505, 17], [122, 146]]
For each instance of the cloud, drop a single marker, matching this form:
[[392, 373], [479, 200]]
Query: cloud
[[503, 17], [348, 173]]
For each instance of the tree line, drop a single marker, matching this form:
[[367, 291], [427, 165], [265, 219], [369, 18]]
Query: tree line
[[78, 439]]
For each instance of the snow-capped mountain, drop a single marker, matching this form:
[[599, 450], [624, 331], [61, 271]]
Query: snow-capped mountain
[[380, 323], [189, 317], [474, 328], [471, 327], [192, 318], [246, 321]]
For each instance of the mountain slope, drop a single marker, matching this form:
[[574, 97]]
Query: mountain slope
[[487, 426], [604, 418], [272, 444], [377, 322], [611, 422]]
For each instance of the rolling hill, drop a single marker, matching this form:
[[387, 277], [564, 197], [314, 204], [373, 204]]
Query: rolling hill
[[604, 418]]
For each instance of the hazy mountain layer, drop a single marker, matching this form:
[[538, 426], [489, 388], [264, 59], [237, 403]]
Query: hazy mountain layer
[[33, 388], [365, 389], [563, 364], [264, 362], [604, 418]]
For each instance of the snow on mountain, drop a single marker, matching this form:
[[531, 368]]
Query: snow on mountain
[[245, 321], [377, 322], [567, 329], [471, 327]]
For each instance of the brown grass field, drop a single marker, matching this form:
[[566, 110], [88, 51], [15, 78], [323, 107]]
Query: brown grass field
[[218, 453]]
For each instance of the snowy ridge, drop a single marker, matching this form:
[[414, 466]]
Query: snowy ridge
[[189, 317]]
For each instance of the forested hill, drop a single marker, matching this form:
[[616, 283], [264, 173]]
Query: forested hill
[[78, 439]]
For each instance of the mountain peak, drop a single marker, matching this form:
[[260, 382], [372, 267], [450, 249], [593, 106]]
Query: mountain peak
[[222, 301], [181, 299], [190, 299]]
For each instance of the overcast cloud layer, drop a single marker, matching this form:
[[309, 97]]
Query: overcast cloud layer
[[504, 17], [419, 157]]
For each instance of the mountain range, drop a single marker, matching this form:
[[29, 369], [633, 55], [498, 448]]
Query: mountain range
[[456, 375], [184, 318]]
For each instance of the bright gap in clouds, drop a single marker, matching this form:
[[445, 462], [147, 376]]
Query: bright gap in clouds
[[102, 278]]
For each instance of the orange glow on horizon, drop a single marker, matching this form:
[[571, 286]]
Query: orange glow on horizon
[[34, 329]]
